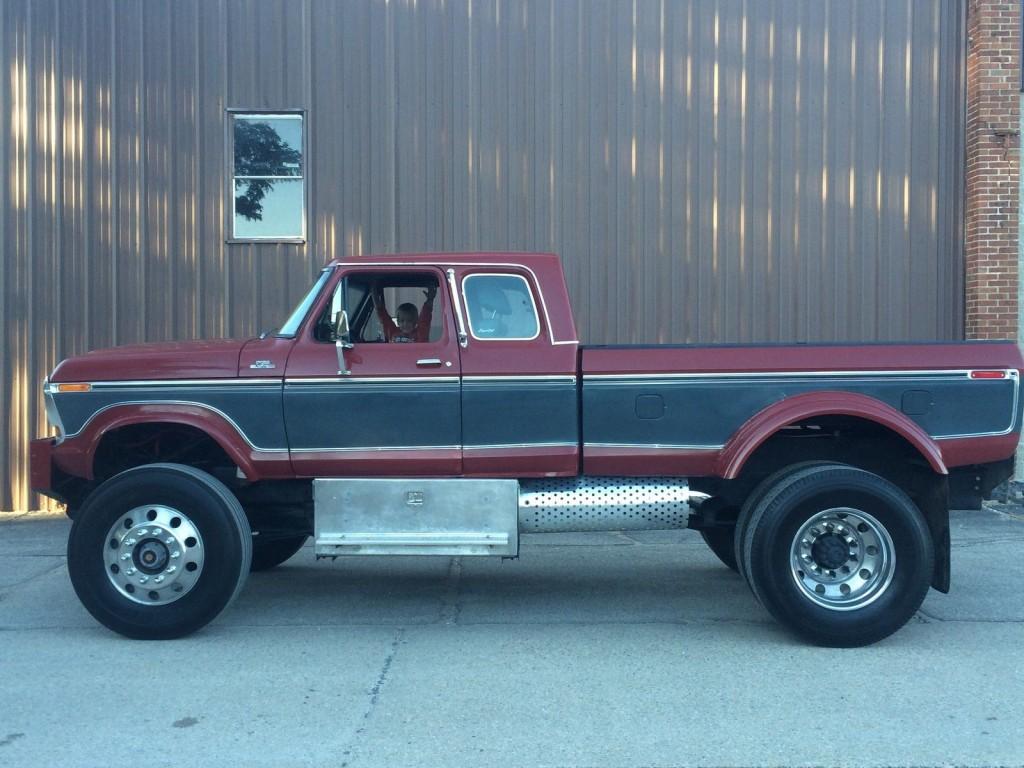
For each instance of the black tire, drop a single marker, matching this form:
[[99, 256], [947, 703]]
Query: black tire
[[269, 551], [720, 541], [840, 556], [751, 502], [200, 574]]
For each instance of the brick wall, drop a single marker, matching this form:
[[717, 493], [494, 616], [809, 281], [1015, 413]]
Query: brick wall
[[993, 168]]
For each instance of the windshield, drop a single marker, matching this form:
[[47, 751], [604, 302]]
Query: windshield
[[291, 325]]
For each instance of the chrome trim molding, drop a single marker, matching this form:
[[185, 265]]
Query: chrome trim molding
[[379, 449], [348, 382], [655, 446], [481, 379], [461, 326], [182, 383], [964, 373], [503, 446]]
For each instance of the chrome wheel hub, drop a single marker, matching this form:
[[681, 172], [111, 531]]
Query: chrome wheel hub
[[153, 555], [842, 559]]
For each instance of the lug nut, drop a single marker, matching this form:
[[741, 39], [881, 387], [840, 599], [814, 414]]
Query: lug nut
[[143, 579], [125, 556], [158, 579]]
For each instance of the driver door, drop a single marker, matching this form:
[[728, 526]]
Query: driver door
[[397, 411]]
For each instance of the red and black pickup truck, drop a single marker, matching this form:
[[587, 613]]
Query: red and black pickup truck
[[441, 404]]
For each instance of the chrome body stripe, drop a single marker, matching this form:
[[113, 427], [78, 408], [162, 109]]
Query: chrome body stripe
[[655, 446], [509, 446], [379, 449], [479, 379], [190, 383], [349, 382], [960, 372]]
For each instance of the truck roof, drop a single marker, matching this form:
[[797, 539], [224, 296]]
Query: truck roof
[[527, 258]]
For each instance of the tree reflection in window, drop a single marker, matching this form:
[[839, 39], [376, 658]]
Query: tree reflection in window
[[268, 176]]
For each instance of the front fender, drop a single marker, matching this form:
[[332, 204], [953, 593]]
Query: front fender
[[76, 455]]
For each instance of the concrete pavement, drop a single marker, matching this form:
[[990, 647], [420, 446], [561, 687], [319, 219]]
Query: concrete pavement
[[590, 650]]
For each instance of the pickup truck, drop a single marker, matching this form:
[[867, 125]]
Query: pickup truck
[[442, 404]]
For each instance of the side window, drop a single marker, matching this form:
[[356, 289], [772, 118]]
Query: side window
[[392, 307], [500, 307]]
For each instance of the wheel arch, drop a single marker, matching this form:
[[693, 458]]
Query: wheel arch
[[772, 420], [215, 428]]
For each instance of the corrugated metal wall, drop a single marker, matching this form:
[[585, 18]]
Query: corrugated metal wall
[[710, 171]]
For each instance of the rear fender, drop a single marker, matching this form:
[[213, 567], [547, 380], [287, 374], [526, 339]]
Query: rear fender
[[748, 438]]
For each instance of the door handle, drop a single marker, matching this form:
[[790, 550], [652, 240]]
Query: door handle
[[429, 361]]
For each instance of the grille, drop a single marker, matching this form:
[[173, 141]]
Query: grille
[[603, 504]]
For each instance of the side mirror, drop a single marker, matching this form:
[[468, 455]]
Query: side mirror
[[342, 341]]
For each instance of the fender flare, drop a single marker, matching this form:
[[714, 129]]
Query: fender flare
[[767, 422], [207, 421]]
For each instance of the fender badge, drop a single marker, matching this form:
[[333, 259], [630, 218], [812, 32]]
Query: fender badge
[[263, 364]]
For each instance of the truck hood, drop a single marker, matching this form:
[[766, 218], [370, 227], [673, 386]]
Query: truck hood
[[172, 360]]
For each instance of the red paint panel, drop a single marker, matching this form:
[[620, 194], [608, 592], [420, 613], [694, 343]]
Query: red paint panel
[[521, 462], [649, 462], [182, 360], [378, 463], [978, 450], [40, 466]]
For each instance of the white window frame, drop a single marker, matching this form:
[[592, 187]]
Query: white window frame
[[229, 188], [469, 316]]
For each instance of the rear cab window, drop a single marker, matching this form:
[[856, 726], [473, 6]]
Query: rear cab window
[[500, 307]]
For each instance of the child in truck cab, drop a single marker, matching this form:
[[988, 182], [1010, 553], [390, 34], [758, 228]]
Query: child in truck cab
[[412, 326]]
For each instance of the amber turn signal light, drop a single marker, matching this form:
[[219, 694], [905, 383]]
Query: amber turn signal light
[[73, 387]]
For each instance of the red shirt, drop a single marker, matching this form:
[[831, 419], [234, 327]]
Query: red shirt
[[394, 334]]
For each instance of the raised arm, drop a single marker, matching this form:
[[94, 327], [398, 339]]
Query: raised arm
[[426, 315], [387, 324]]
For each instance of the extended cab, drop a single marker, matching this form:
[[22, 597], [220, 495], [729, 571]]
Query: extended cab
[[442, 404]]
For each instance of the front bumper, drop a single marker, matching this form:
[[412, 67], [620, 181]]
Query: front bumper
[[41, 466]]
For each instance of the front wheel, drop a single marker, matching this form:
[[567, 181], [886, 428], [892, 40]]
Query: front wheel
[[158, 551], [840, 556]]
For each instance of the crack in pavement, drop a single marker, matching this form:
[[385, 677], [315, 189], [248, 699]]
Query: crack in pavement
[[375, 692], [4, 591], [450, 608]]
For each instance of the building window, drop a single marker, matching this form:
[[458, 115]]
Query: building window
[[268, 176]]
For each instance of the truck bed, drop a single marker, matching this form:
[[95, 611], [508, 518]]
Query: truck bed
[[665, 409]]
